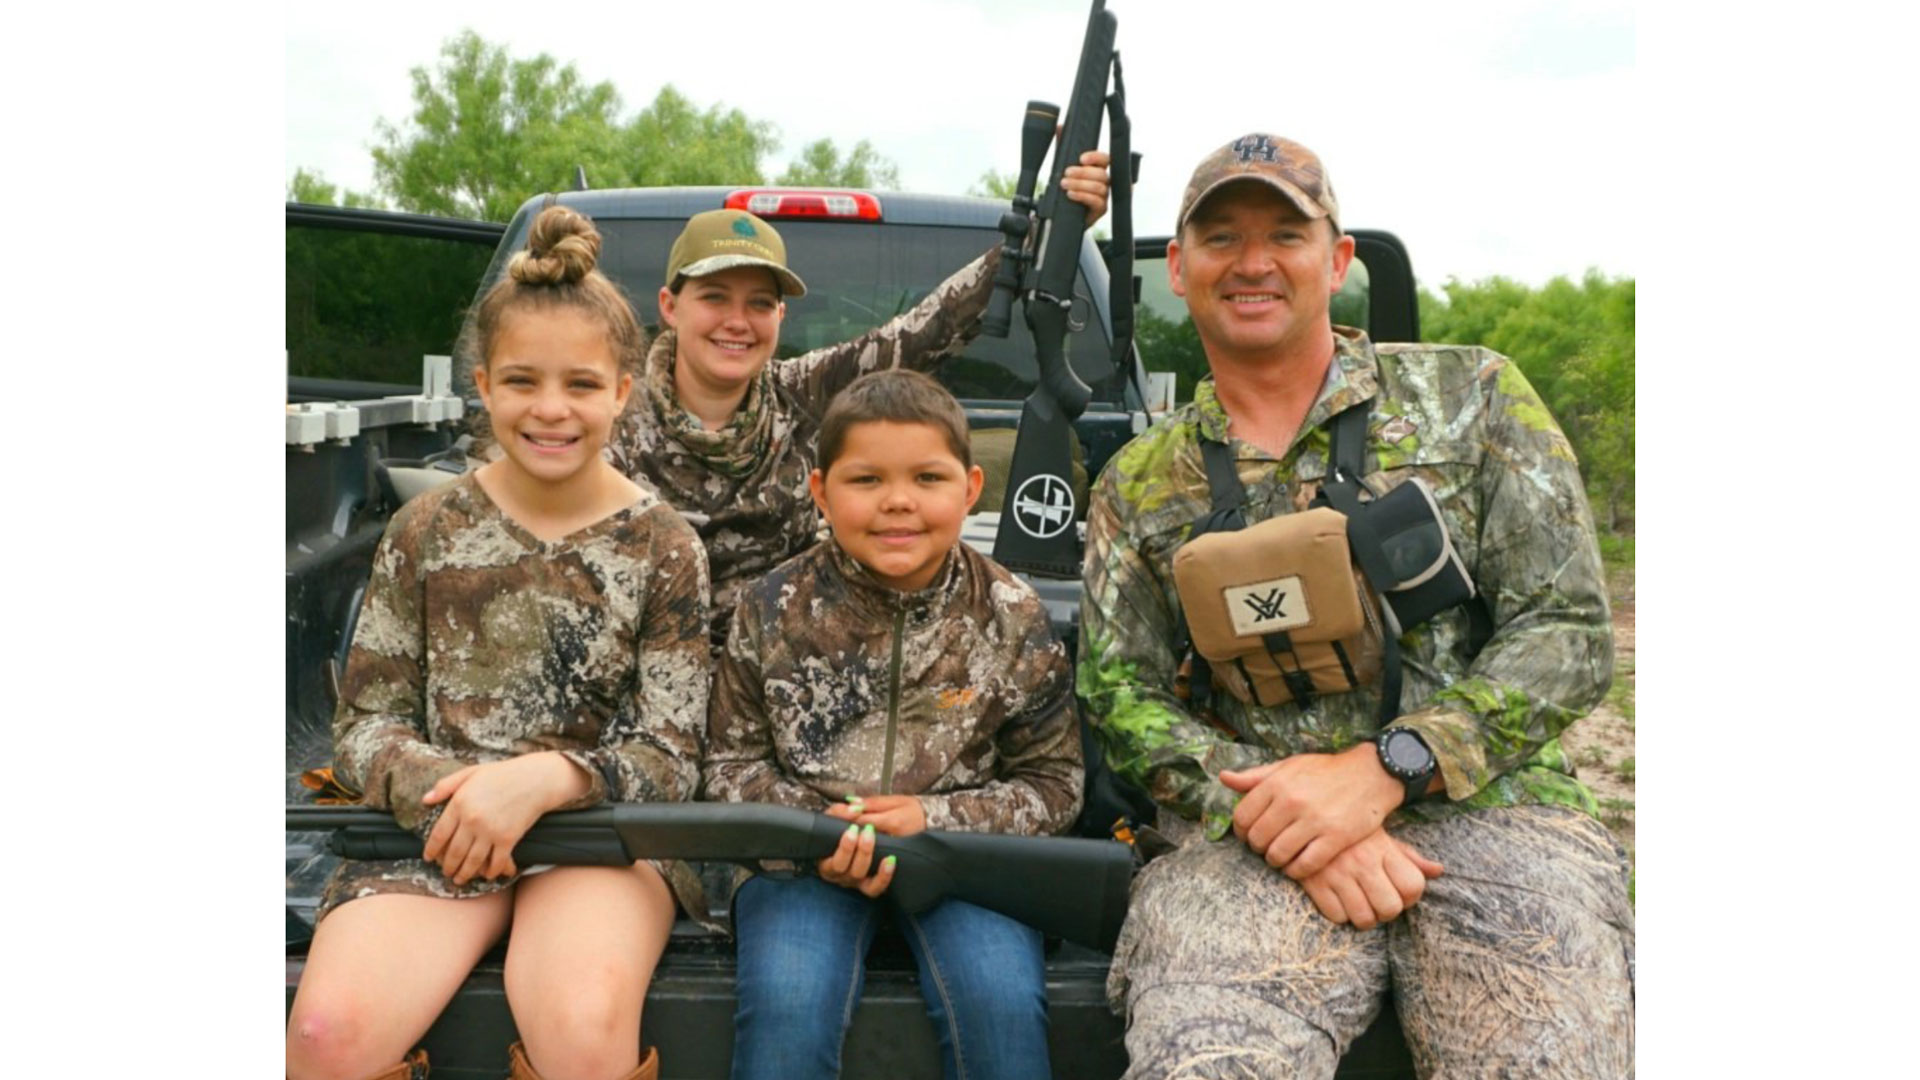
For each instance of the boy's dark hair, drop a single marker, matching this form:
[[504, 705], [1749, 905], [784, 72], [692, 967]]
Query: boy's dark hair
[[897, 396]]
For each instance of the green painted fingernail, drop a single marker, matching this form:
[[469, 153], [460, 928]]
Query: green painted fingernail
[[853, 798], [888, 862], [853, 832], [867, 832]]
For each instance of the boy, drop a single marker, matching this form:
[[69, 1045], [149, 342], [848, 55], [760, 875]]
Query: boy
[[895, 666]]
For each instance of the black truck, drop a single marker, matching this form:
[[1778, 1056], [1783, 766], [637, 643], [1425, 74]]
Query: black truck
[[374, 405]]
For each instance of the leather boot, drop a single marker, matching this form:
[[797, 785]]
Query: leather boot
[[522, 1069], [412, 1067]]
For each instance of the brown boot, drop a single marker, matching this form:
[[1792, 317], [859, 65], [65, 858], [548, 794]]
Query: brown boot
[[522, 1069], [412, 1067]]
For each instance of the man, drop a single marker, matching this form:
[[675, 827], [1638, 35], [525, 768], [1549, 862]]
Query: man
[[1320, 858]]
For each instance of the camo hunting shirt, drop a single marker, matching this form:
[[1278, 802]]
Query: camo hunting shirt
[[1463, 419], [833, 684], [479, 641], [744, 487]]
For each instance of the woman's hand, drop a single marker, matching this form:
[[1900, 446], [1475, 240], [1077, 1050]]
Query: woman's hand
[[848, 865], [490, 807], [1086, 184]]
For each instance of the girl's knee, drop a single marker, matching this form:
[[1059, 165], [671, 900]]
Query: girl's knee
[[329, 1038]]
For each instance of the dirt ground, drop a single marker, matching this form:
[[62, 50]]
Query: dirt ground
[[1601, 744]]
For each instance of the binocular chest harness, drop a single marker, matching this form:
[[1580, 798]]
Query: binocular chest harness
[[1314, 602]]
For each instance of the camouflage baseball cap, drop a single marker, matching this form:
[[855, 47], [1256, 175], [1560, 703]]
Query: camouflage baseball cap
[[719, 240], [1290, 168]]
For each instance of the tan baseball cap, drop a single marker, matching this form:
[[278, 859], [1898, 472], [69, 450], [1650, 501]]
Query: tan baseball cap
[[1290, 168], [719, 240]]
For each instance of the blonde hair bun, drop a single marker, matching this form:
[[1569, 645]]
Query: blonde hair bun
[[562, 248]]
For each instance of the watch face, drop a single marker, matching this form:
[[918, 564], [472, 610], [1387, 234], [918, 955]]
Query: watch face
[[1408, 755]]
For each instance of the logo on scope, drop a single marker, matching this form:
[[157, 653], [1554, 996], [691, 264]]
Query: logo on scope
[[1043, 506]]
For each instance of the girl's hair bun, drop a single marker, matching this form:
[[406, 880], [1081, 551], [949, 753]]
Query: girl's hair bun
[[562, 248]]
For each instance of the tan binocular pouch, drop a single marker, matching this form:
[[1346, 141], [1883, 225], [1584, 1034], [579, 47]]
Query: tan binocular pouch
[[1278, 608]]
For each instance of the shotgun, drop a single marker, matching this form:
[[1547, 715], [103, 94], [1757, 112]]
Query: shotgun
[[1064, 887]]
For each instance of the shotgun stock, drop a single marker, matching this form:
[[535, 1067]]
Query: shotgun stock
[[1068, 888]]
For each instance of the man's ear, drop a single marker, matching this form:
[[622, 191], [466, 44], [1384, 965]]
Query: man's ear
[[1342, 259], [975, 481], [817, 486], [1173, 268]]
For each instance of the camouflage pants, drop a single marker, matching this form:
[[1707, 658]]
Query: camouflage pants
[[1518, 962]]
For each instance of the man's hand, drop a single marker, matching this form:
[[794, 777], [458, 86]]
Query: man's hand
[[491, 806], [1301, 811], [848, 865], [1086, 184], [1371, 882]]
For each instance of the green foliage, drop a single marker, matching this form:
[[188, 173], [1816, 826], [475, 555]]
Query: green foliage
[[1616, 812], [820, 166], [488, 131], [311, 187], [1575, 342], [994, 184], [1166, 345], [1624, 770]]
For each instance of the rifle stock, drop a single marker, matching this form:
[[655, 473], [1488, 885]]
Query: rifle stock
[[1064, 887], [1036, 519]]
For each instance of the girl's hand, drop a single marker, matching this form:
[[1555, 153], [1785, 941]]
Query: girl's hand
[[847, 866], [490, 807], [895, 815]]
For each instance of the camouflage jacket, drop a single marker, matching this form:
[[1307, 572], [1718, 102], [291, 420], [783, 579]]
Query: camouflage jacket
[[478, 642], [1464, 420], [959, 693], [744, 487]]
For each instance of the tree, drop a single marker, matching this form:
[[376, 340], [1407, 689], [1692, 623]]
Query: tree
[[1576, 345], [994, 184], [311, 187], [489, 131], [820, 166]]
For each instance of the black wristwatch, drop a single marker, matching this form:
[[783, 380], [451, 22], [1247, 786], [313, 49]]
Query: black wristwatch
[[1404, 754]]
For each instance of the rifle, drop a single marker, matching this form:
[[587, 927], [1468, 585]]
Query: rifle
[[1036, 520], [1061, 886]]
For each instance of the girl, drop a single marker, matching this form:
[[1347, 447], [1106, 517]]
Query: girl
[[533, 639]]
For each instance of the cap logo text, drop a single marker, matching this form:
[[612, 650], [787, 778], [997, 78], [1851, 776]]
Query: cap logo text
[[1250, 146]]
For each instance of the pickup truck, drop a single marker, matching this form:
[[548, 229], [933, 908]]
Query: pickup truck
[[365, 412]]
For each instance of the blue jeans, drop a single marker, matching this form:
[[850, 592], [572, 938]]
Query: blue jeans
[[802, 947]]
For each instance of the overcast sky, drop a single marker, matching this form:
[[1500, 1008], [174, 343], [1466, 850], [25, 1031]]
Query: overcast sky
[[1488, 134]]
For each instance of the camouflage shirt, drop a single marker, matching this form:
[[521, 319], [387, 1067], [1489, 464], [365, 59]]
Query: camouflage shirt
[[959, 693], [478, 642], [744, 487], [1465, 421]]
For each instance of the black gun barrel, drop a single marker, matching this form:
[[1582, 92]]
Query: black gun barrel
[[1062, 886]]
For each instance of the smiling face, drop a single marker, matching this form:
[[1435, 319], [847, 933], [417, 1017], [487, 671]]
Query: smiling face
[[1257, 274], [552, 390], [895, 497], [728, 324]]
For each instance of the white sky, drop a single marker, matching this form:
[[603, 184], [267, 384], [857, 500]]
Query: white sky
[[1473, 130]]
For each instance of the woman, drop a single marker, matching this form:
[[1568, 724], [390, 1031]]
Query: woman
[[727, 437]]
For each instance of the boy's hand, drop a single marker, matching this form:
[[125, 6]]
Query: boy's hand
[[895, 815], [1371, 882], [490, 807], [847, 866]]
